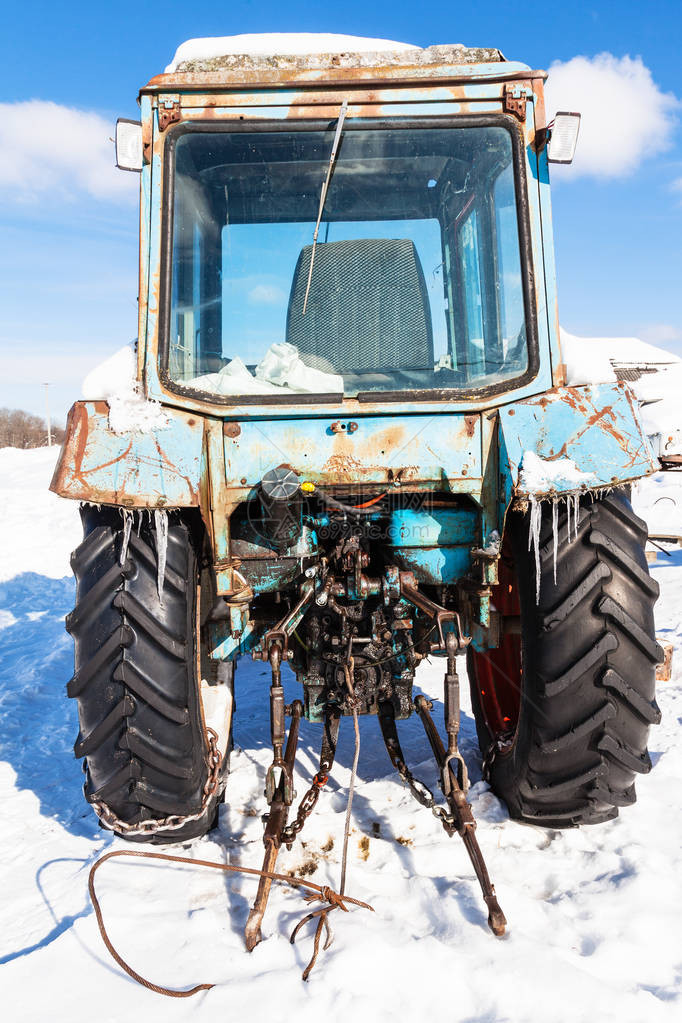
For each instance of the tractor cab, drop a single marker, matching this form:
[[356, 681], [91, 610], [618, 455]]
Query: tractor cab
[[413, 284], [346, 234]]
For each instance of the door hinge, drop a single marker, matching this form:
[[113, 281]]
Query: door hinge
[[168, 111], [515, 98]]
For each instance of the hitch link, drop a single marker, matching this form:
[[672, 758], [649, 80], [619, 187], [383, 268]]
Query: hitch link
[[462, 817], [275, 824], [278, 769], [451, 713], [277, 832]]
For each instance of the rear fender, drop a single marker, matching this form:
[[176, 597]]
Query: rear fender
[[156, 469], [597, 427]]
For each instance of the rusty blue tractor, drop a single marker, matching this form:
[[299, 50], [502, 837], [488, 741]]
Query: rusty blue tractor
[[363, 452]]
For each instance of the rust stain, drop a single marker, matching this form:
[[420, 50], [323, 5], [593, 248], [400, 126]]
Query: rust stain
[[166, 460], [231, 429], [408, 472], [342, 465], [105, 465], [561, 453], [333, 75], [470, 425], [80, 440]]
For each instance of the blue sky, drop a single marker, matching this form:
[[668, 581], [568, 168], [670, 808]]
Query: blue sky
[[68, 251]]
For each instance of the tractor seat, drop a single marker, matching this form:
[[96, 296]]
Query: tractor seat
[[367, 309]]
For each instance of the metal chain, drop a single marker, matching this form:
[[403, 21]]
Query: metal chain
[[495, 747], [307, 805], [487, 761], [423, 794], [150, 827]]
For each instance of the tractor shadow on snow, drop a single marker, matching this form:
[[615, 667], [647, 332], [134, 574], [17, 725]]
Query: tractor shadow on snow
[[39, 723]]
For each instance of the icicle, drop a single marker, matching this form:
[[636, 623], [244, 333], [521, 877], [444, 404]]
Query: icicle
[[576, 514], [128, 516], [140, 517], [534, 539], [555, 531], [568, 518], [161, 526]]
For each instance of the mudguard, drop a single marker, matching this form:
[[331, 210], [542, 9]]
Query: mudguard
[[158, 469], [597, 427]]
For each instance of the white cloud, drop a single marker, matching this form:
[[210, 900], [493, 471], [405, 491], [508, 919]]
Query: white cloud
[[266, 294], [47, 149], [625, 116]]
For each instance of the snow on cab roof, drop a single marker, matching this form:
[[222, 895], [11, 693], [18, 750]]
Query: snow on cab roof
[[313, 50]]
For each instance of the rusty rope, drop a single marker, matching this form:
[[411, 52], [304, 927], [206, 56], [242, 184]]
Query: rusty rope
[[317, 893], [334, 899]]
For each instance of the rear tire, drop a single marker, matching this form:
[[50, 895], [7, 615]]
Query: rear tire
[[563, 711], [142, 734]]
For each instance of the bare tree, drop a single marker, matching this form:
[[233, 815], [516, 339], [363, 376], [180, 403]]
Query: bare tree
[[19, 429]]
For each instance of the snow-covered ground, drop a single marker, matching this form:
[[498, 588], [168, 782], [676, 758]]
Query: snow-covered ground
[[593, 913]]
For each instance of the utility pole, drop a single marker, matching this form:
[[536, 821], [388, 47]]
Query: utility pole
[[47, 409]]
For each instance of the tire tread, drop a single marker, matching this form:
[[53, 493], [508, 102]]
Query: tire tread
[[141, 727], [590, 640]]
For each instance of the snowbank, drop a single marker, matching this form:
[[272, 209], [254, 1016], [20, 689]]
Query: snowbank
[[658, 500], [660, 395], [586, 360], [592, 360], [235, 378], [116, 375], [282, 43], [39, 529]]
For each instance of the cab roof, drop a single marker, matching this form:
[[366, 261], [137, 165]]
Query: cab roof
[[282, 58]]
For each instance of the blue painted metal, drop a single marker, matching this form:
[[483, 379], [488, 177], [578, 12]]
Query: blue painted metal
[[145, 229], [435, 545], [540, 169], [385, 450], [598, 427], [160, 469], [226, 645], [436, 527], [267, 571], [434, 565]]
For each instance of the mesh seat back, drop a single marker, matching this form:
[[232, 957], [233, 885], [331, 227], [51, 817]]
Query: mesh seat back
[[367, 309]]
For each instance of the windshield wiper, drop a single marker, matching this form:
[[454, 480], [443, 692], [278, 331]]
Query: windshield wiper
[[323, 195]]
